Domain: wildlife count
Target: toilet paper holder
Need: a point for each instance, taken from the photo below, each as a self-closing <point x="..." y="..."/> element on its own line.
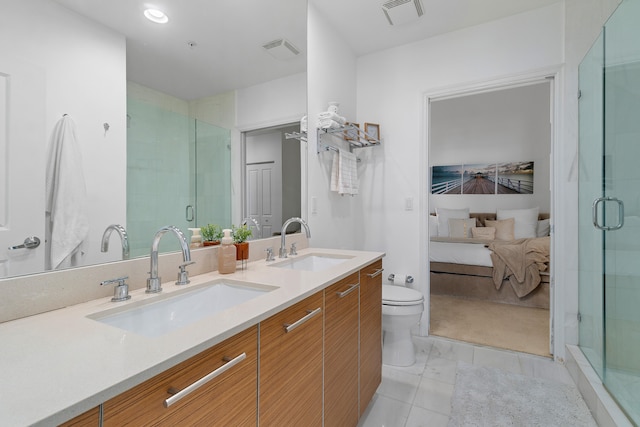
<point x="393" y="276"/>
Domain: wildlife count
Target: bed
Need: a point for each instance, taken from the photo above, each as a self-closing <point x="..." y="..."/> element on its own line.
<point x="464" y="267"/>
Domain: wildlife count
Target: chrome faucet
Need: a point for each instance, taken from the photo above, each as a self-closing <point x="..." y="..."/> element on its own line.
<point x="153" y="282"/>
<point x="283" y="233"/>
<point x="246" y="221"/>
<point x="124" y="239"/>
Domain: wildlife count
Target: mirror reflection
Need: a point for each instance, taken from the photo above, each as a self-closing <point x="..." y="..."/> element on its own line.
<point x="158" y="114"/>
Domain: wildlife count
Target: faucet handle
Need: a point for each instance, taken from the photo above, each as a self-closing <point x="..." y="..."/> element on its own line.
<point x="293" y="250"/>
<point x="183" y="274"/>
<point x="270" y="256"/>
<point x="121" y="291"/>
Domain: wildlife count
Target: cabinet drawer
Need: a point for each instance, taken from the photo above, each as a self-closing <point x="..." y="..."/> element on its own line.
<point x="228" y="399"/>
<point x="341" y="352"/>
<point x="89" y="418"/>
<point x="291" y="365"/>
<point x="370" y="332"/>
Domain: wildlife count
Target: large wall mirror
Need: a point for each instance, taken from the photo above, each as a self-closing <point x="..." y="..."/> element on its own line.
<point x="157" y="115"/>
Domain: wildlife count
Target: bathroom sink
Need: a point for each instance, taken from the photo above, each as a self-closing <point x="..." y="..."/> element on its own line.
<point x="166" y="313"/>
<point x="312" y="262"/>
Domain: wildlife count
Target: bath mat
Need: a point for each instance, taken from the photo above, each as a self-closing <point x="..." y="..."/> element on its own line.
<point x="486" y="396"/>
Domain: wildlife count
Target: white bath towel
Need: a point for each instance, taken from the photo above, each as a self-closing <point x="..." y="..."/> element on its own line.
<point x="344" y="174"/>
<point x="66" y="194"/>
<point x="328" y="124"/>
<point x="328" y="115"/>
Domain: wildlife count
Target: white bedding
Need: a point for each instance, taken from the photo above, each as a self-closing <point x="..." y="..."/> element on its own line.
<point x="460" y="253"/>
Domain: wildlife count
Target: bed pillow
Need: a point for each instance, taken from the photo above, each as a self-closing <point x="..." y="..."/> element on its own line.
<point x="443" y="216"/>
<point x="526" y="221"/>
<point x="485" y="233"/>
<point x="433" y="226"/>
<point x="544" y="228"/>
<point x="504" y="228"/>
<point x="461" y="227"/>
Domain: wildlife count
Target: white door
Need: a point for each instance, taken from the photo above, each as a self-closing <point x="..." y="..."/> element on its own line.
<point x="264" y="198"/>
<point x="22" y="185"/>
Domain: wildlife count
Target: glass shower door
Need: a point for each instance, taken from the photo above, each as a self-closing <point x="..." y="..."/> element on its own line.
<point x="613" y="344"/>
<point x="622" y="184"/>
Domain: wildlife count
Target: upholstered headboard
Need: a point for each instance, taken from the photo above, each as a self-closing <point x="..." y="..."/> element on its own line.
<point x="482" y="217"/>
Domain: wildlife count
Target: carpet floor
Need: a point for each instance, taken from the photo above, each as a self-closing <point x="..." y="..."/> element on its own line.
<point x="485" y="396"/>
<point x="493" y="324"/>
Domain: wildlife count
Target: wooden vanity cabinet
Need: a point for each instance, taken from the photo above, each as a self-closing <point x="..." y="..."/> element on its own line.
<point x="228" y="399"/>
<point x="291" y="365"/>
<point x="341" y="352"/>
<point x="89" y="418"/>
<point x="370" y="332"/>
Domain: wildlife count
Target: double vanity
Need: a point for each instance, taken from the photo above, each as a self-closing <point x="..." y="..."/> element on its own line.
<point x="288" y="342"/>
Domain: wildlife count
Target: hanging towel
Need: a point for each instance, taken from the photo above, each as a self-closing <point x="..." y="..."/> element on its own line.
<point x="344" y="173"/>
<point x="66" y="194"/>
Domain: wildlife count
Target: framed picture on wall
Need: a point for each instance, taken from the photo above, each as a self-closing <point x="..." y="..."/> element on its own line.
<point x="352" y="133"/>
<point x="372" y="131"/>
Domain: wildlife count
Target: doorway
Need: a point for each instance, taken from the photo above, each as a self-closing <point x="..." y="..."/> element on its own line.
<point x="476" y="135"/>
<point x="272" y="174"/>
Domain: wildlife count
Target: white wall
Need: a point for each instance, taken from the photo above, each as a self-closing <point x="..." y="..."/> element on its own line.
<point x="84" y="65"/>
<point x="509" y="125"/>
<point x="392" y="86"/>
<point x="272" y="103"/>
<point x="332" y="77"/>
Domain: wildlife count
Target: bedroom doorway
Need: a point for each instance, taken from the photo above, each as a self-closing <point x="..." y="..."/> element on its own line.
<point x="489" y="157"/>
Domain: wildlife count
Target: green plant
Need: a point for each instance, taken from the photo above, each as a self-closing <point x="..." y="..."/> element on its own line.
<point x="211" y="232"/>
<point x="240" y="234"/>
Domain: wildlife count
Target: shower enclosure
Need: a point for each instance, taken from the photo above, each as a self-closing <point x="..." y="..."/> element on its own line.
<point x="609" y="207"/>
<point x="178" y="173"/>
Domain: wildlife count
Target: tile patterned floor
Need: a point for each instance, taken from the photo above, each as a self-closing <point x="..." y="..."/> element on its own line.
<point x="420" y="395"/>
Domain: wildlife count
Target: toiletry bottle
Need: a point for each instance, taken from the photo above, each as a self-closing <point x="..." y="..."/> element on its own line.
<point x="226" y="254"/>
<point x="196" y="238"/>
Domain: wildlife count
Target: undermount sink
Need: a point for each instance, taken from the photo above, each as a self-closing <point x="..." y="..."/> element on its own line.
<point x="166" y="313"/>
<point x="312" y="262"/>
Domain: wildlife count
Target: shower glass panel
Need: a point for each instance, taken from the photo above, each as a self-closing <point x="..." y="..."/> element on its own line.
<point x="212" y="149"/>
<point x="616" y="211"/>
<point x="591" y="295"/>
<point x="178" y="173"/>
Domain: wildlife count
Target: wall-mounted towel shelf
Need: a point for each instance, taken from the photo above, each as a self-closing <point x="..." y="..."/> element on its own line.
<point x="356" y="137"/>
<point x="302" y="136"/>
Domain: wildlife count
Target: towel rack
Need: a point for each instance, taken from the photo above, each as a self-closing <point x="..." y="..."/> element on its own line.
<point x="364" y="139"/>
<point x="301" y="136"/>
<point x="326" y="147"/>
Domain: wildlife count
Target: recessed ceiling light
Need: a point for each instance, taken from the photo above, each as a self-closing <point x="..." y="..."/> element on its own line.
<point x="156" y="16"/>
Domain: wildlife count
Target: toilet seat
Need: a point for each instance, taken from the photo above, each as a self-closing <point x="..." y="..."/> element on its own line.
<point x="400" y="296"/>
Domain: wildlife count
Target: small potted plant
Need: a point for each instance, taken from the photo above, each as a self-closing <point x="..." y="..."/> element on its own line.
<point x="240" y="236"/>
<point x="211" y="234"/>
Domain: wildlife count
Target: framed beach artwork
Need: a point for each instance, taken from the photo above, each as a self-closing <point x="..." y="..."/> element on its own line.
<point x="483" y="178"/>
<point x="351" y="134"/>
<point x="372" y="131"/>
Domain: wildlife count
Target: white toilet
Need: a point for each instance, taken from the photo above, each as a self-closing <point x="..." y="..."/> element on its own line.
<point x="401" y="309"/>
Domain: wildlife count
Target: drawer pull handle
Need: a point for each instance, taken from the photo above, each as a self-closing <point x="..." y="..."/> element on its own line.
<point x="376" y="273"/>
<point x="348" y="291"/>
<point x="202" y="381"/>
<point x="310" y="314"/>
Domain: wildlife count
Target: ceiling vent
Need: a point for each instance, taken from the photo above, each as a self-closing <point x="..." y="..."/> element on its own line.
<point x="402" y="11"/>
<point x="281" y="49"/>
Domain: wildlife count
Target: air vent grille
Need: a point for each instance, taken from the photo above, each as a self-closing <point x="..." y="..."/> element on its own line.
<point x="281" y="49"/>
<point x="402" y="11"/>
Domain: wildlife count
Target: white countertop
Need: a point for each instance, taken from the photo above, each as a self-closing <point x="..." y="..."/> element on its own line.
<point x="57" y="365"/>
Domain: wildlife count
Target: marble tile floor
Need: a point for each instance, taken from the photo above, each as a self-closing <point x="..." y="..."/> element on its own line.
<point x="420" y="395"/>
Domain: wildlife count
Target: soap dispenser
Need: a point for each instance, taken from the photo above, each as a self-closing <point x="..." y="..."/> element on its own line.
<point x="226" y="254"/>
